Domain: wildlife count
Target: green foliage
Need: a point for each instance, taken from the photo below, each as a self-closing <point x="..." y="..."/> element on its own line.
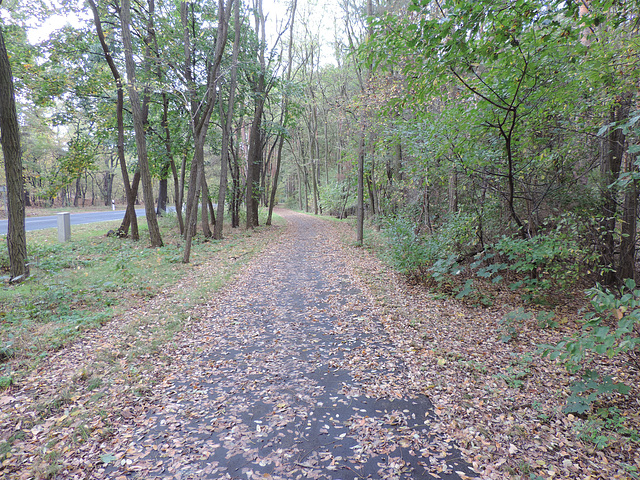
<point x="611" y="329"/>
<point x="408" y="254"/>
<point x="336" y="196"/>
<point x="586" y="391"/>
<point x="510" y="324"/>
<point x="604" y="426"/>
<point x="555" y="258"/>
<point x="434" y="255"/>
<point x="516" y="373"/>
<point x="5" y="382"/>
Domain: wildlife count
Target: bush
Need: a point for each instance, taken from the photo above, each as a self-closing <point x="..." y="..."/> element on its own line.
<point x="432" y="255"/>
<point x="556" y="257"/>
<point x="611" y="329"/>
<point x="407" y="253"/>
<point x="335" y="197"/>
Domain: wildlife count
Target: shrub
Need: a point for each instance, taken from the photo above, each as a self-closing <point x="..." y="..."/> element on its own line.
<point x="433" y="255"/>
<point x="407" y="252"/>
<point x="555" y="257"/>
<point x="611" y="329"/>
<point x="335" y="197"/>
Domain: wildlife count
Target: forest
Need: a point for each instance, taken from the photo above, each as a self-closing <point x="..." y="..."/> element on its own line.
<point x="502" y="127"/>
<point x="490" y="147"/>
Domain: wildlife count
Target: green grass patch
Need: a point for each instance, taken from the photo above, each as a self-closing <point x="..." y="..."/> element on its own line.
<point x="80" y="285"/>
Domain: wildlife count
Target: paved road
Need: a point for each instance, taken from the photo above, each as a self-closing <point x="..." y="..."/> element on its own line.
<point x="51" y="221"/>
<point x="292" y="377"/>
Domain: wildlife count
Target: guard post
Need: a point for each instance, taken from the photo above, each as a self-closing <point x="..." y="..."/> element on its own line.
<point x="64" y="226"/>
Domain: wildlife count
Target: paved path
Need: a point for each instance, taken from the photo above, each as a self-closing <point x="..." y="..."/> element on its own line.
<point x="291" y="377"/>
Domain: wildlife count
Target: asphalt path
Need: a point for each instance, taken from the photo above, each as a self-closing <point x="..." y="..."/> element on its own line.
<point x="51" y="221"/>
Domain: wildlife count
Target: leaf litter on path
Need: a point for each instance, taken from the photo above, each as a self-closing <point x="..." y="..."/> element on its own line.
<point x="287" y="373"/>
<point x="291" y="376"/>
<point x="316" y="362"/>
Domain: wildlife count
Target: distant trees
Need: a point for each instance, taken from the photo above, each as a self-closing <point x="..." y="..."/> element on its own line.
<point x="460" y="116"/>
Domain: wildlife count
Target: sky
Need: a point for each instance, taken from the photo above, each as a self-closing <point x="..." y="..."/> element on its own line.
<point x="319" y="14"/>
<point x="317" y="17"/>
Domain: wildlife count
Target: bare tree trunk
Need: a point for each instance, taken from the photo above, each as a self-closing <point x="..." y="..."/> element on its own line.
<point x="10" y="139"/>
<point x="130" y="215"/>
<point x="300" y="187"/>
<point x="236" y="192"/>
<point x="163" y="185"/>
<point x="629" y="233"/>
<point x="206" y="230"/>
<point x="77" y="193"/>
<point x="314" y="184"/>
<point x="360" y="199"/>
<point x="227" y="123"/>
<point x="201" y="115"/>
<point x="141" y="142"/>
<point x="254" y="167"/>
<point x="610" y="170"/>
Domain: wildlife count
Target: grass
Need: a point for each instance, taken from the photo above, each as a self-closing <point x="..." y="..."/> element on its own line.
<point x="80" y="285"/>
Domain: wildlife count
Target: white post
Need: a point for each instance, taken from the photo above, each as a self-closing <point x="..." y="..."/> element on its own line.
<point x="64" y="227"/>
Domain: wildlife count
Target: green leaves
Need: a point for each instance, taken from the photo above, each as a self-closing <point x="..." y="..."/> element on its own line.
<point x="599" y="337"/>
<point x="593" y="385"/>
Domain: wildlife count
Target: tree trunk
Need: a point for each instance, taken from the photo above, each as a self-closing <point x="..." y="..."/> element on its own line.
<point x="511" y="179"/>
<point x="360" y="199"/>
<point x="130" y="197"/>
<point x="610" y="169"/>
<point x="300" y="187"/>
<point x="108" y="180"/>
<point x="10" y="139"/>
<point x="236" y="192"/>
<point x="77" y="193"/>
<point x="227" y="123"/>
<point x="314" y="184"/>
<point x="163" y="185"/>
<point x="138" y="125"/>
<point x="130" y="217"/>
<point x="206" y="207"/>
<point x="629" y="233"/>
<point x="274" y="189"/>
<point x="254" y="159"/>
<point x="201" y="116"/>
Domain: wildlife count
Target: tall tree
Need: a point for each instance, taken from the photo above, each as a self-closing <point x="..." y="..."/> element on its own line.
<point x="285" y="113"/>
<point x="10" y="138"/>
<point x="201" y="111"/>
<point x="254" y="156"/>
<point x="226" y="119"/>
<point x="130" y="215"/>
<point x="138" y="125"/>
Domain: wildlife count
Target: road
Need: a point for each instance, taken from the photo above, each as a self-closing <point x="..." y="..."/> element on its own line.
<point x="51" y="221"/>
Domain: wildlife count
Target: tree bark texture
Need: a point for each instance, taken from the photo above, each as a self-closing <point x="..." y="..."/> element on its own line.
<point x="138" y="125"/>
<point x="10" y="139"/>
<point x="227" y="124"/>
